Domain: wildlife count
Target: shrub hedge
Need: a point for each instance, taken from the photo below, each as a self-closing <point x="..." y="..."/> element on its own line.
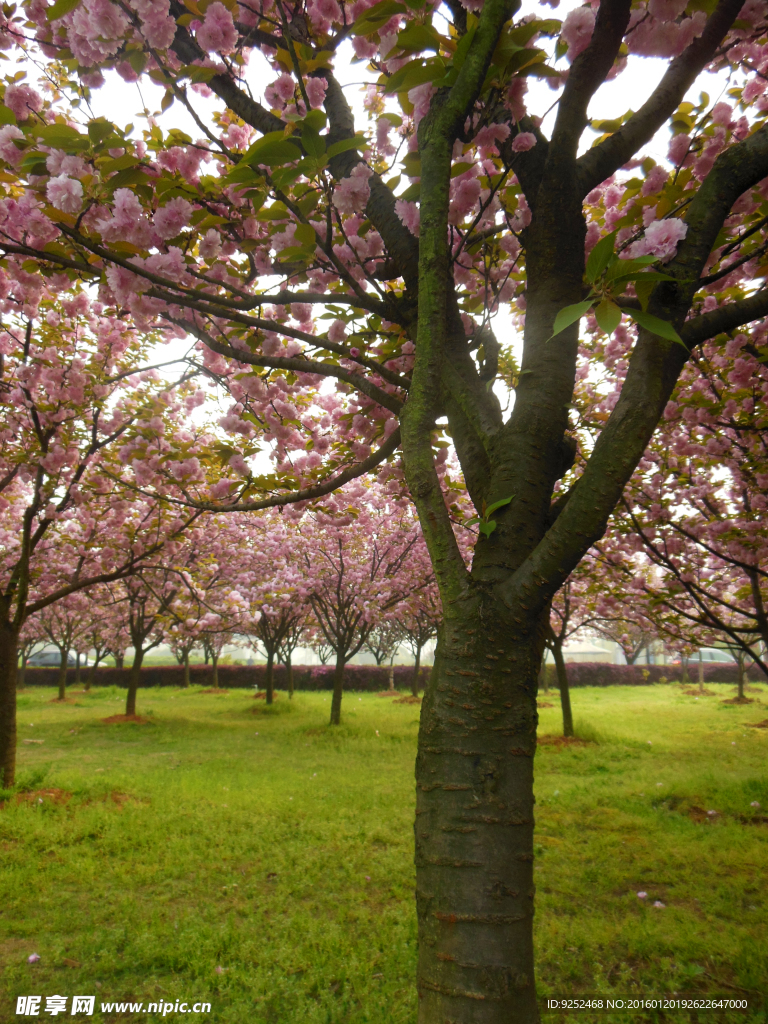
<point x="372" y="678"/>
<point x="305" y="677"/>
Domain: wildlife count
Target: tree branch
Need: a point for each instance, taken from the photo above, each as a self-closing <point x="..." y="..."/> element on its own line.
<point x="601" y="162"/>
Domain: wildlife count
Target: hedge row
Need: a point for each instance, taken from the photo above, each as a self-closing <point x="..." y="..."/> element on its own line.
<point x="597" y="673"/>
<point x="372" y="678"/>
<point x="305" y="677"/>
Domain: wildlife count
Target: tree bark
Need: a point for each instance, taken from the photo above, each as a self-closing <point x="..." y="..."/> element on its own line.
<point x="77" y="668"/>
<point x="416" y="667"/>
<point x="289" y="674"/>
<point x="215" y="669"/>
<point x="684" y="665"/>
<point x="133" y="681"/>
<point x="90" y="679"/>
<point x="391" y="676"/>
<point x="9" y="640"/>
<point x="701" y="674"/>
<point x="474" y="825"/>
<point x="338" y="689"/>
<point x="22" y="672"/>
<point x="740" y="657"/>
<point x="270" y="674"/>
<point x="62" y="681"/>
<point x="185" y="663"/>
<point x="119" y="660"/>
<point x="565" y="690"/>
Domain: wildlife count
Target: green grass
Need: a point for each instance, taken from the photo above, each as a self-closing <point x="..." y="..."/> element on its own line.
<point x="256" y="859"/>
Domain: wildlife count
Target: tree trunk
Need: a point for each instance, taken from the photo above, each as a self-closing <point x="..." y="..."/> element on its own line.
<point x="701" y="674"/>
<point x="62" y="682"/>
<point x="90" y="679"/>
<point x="684" y="665"/>
<point x="215" y="669"/>
<point x="270" y="674"/>
<point x="77" y="669"/>
<point x="22" y="672"/>
<point x="391" y="676"/>
<point x="185" y="663"/>
<point x="565" y="691"/>
<point x="119" y="660"/>
<point x="8" y="665"/>
<point x="740" y="662"/>
<point x="338" y="689"/>
<point x="474" y="825"/>
<point x="416" y="667"/>
<point x="133" y="681"/>
<point x="289" y="674"/>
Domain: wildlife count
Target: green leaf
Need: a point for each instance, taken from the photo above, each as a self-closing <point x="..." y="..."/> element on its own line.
<point x="100" y="130"/>
<point x="123" y="179"/>
<point x="415" y="73"/>
<point x="498" y="504"/>
<point x="376" y="16"/>
<point x="344" y="145"/>
<point x="419" y="37"/>
<point x="472" y="521"/>
<point x="656" y="326"/>
<point x="600" y="257"/>
<point x="316" y="119"/>
<point x="608" y="316"/>
<point x="60" y="8"/>
<point x="487" y="527"/>
<point x="61" y="136"/>
<point x="569" y="315"/>
<point x="272" y="154"/>
<point x="243" y="174"/>
<point x="313" y="143"/>
<point x="623" y="267"/>
<point x="305" y="234"/>
<point x="644" y="289"/>
<point x="6" y="115"/>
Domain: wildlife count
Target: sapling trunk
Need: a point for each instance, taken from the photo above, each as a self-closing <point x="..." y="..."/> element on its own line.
<point x="416" y="667"/>
<point x="77" y="669"/>
<point x="270" y="674"/>
<point x="119" y="660"/>
<point x="133" y="681"/>
<point x="62" y="680"/>
<point x="740" y="661"/>
<point x="565" y="691"/>
<point x="185" y="663"/>
<point x="289" y="674"/>
<point x="22" y="673"/>
<point x="9" y="640"/>
<point x="701" y="674"/>
<point x="90" y="679"/>
<point x="215" y="669"/>
<point x="338" y="689"/>
<point x="391" y="675"/>
<point x="684" y="665"/>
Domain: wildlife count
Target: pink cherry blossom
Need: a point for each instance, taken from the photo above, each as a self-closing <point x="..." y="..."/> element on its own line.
<point x="409" y="215"/>
<point x="65" y="194"/>
<point x="523" y="141"/>
<point x="21" y="99"/>
<point x="217" y="33"/>
<point x="577" y="30"/>
<point x="351" y="194"/>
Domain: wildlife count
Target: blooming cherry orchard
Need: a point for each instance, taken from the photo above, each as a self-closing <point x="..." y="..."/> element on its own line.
<point x="79" y="417"/>
<point x="299" y="247"/>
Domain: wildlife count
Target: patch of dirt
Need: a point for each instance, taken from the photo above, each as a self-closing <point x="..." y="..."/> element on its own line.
<point x="561" y="741"/>
<point x="753" y="819"/>
<point x="262" y="695"/>
<point x="739" y="700"/>
<point x="215" y="689"/>
<point x="117" y="719"/>
<point x="408" y="699"/>
<point x="60" y="700"/>
<point x="700" y="693"/>
<point x="544" y="704"/>
<point x="52" y="796"/>
<point x="758" y="725"/>
<point x="698" y="814"/>
<point x="387" y="693"/>
<point x="33" y="741"/>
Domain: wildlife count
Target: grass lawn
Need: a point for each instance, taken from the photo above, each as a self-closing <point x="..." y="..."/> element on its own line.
<point x="258" y="860"/>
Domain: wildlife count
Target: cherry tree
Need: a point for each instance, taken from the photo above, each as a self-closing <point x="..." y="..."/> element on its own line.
<point x="455" y="199"/>
<point x="65" y="625"/>
<point x="419" y="618"/>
